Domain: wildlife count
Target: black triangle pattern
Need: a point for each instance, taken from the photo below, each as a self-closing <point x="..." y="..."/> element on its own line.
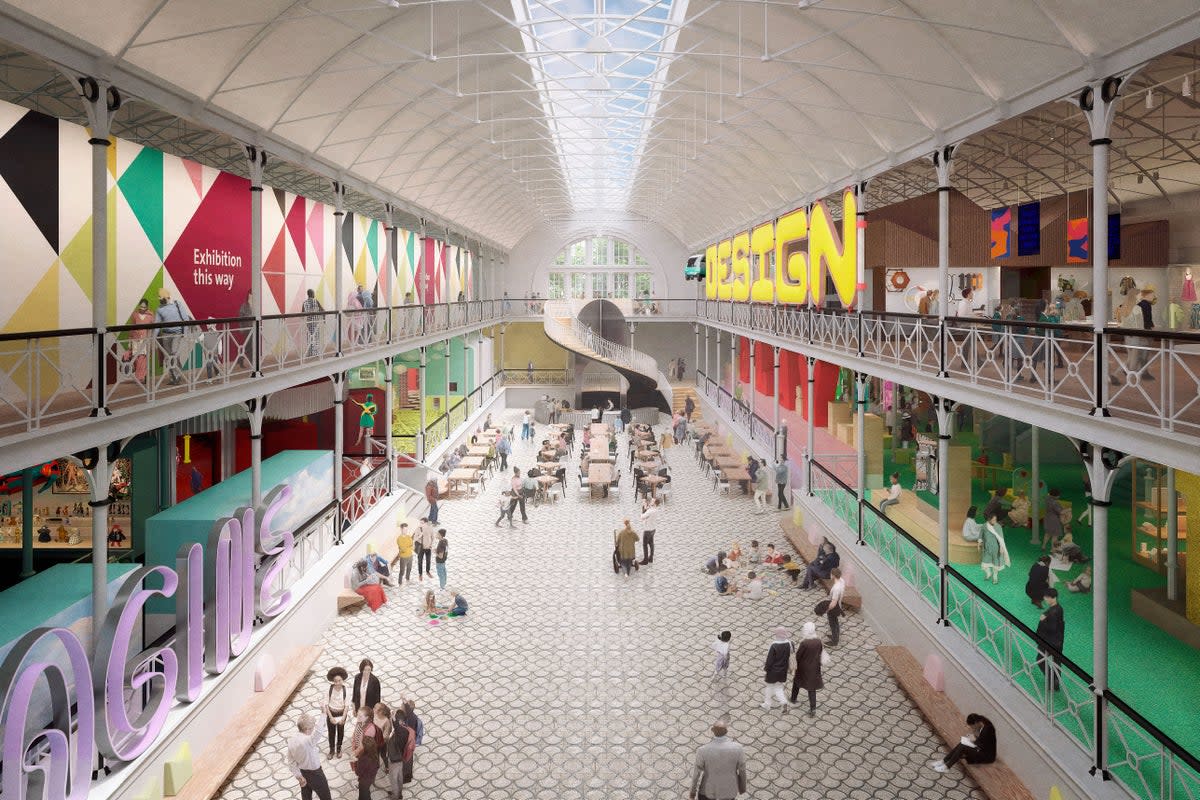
<point x="29" y="165"/>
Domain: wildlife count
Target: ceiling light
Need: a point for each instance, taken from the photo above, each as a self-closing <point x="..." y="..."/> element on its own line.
<point x="1186" y="91"/>
<point x="1149" y="99"/>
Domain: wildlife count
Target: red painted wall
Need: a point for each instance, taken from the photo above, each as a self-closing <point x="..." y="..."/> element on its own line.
<point x="824" y="389"/>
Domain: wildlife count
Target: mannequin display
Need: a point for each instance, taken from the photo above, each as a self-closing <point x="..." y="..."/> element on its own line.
<point x="1188" y="293"/>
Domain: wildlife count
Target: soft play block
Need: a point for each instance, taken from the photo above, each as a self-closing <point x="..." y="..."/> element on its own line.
<point x="152" y="790"/>
<point x="264" y="672"/>
<point x="177" y="771"/>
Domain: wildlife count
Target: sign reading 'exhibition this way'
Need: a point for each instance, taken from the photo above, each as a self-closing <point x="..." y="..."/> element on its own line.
<point x="218" y="589"/>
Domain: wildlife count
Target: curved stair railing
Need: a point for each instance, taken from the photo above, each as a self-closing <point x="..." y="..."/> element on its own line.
<point x="564" y="327"/>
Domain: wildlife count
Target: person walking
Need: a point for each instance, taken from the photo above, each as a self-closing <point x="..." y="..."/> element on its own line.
<point x="650" y="513"/>
<point x="782" y="473"/>
<point x="720" y="771"/>
<point x="518" y="489"/>
<point x="762" y="488"/>
<point x="414" y="722"/>
<point x="1052" y="526"/>
<point x="834" y="612"/>
<point x="995" y="552"/>
<point x="720" y="646"/>
<point x="304" y="759"/>
<point x="424" y="543"/>
<point x="508" y="504"/>
<point x="689" y="407"/>
<point x="404" y="556"/>
<point x="625" y="417"/>
<point x="526" y="426"/>
<point x="1050" y="630"/>
<point x="810" y="657"/>
<point x="440" y="552"/>
<point x="779" y="657"/>
<point x="431" y="496"/>
<point x="312" y="307"/>
<point x="169" y="336"/>
<point x="625" y="540"/>
<point x="503" y="449"/>
<point x="137" y="339"/>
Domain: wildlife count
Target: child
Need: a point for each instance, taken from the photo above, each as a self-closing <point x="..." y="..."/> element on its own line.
<point x="722" y="583"/>
<point x="429" y="606"/>
<point x="508" y="504"/>
<point x="721" y="662"/>
<point x="735" y="554"/>
<point x="753" y="590"/>
<point x="460" y="606"/>
<point x="1082" y="584"/>
<point x="755" y="555"/>
<point x="773" y="557"/>
<point x="792" y="568"/>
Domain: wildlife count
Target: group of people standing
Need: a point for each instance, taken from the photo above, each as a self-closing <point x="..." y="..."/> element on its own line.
<point x="384" y="738"/>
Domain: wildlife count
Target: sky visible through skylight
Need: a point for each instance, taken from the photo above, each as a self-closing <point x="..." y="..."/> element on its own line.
<point x="599" y="105"/>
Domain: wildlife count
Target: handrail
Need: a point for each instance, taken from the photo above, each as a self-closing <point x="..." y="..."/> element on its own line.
<point x="622" y="355"/>
<point x="1152" y="729"/>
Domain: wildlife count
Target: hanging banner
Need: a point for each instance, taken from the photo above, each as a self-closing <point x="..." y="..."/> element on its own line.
<point x="1001" y="227"/>
<point x="1077" y="240"/>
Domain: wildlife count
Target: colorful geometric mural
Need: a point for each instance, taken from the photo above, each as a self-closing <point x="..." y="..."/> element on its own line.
<point x="173" y="224"/>
<point x="1077" y="240"/>
<point x="1001" y="232"/>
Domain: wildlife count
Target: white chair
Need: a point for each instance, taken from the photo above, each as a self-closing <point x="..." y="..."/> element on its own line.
<point x="720" y="482"/>
<point x="585" y="486"/>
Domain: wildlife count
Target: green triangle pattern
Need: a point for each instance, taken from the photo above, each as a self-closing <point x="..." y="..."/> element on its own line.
<point x="373" y="244"/>
<point x="142" y="186"/>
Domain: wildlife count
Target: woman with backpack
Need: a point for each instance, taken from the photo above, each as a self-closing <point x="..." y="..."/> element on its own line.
<point x="366" y="767"/>
<point x="414" y="722"/>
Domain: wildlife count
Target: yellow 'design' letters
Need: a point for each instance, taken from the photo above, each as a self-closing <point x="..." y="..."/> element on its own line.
<point x="740" y="268"/>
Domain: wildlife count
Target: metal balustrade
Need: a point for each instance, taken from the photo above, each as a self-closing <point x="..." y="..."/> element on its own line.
<point x="1151" y="377"/>
<point x="54" y="377"/>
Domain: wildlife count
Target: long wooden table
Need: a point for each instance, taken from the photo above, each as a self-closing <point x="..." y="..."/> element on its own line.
<point x="599" y="475"/>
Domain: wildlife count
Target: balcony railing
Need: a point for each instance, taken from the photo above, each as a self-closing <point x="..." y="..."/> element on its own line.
<point x="1137" y="754"/>
<point x="1151" y="377"/>
<point x="54" y="377"/>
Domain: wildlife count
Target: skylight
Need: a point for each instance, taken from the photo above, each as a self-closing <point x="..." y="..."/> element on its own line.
<point x="599" y="66"/>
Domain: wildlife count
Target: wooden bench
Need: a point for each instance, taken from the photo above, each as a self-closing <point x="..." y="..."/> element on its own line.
<point x="213" y="767"/>
<point x="920" y="520"/>
<point x="798" y="539"/>
<point x="996" y="779"/>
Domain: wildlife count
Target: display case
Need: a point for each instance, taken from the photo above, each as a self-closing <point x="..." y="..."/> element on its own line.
<point x="1149" y="516"/>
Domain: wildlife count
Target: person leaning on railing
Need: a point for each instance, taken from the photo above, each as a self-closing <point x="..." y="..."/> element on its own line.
<point x="168" y="336"/>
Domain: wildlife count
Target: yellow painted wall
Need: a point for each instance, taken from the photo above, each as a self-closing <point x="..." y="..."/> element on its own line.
<point x="1188" y="486"/>
<point x="527" y="340"/>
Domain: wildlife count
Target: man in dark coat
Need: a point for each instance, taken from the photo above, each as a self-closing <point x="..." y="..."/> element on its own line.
<point x="1039" y="581"/>
<point x="779" y="657"/>
<point x="1050" y="630"/>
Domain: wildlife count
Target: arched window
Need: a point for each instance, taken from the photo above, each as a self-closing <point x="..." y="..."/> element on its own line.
<point x="602" y="267"/>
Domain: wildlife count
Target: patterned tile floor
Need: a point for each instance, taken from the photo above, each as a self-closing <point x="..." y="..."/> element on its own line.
<point x="569" y="682"/>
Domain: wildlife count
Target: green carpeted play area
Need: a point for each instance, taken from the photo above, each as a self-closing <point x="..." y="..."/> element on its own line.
<point x="1153" y="672"/>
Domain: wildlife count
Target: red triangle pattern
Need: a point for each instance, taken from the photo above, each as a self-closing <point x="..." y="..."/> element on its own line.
<point x="273" y="273"/>
<point x="316" y="234"/>
<point x="294" y="222"/>
<point x="196" y="173"/>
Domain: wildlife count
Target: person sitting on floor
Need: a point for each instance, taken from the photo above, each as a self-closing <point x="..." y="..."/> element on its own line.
<point x="459" y="609"/>
<point x="716" y="564"/>
<point x="1083" y="583"/>
<point x="723" y="584"/>
<point x="792" y="568"/>
<point x="755" y="555"/>
<point x="1018" y="515"/>
<point x="735" y="555"/>
<point x="773" y="557"/>
<point x="753" y="589"/>
<point x="1065" y="549"/>
<point x="979" y="747"/>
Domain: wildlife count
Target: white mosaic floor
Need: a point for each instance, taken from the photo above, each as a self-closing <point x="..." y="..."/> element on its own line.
<point x="569" y="682"/>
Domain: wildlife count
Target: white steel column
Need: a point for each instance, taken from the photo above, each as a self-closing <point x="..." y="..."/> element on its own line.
<point x="1172" y="536"/>
<point x="861" y="387"/>
<point x="860" y="288"/>
<point x="339" y="290"/>
<point x="389" y="446"/>
<point x="100" y="484"/>
<point x="1102" y="465"/>
<point x="1035" y="498"/>
<point x="810" y="443"/>
<point x="775" y="416"/>
<point x="421" y="391"/>
<point x="696" y="331"/>
<point x="945" y="418"/>
<point x="256" y="159"/>
<point x="339" y="444"/>
<point x="750" y="345"/>
<point x="707" y="374"/>
<point x="942" y="159"/>
<point x="733" y="359"/>
<point x="1098" y="103"/>
<point x="254" y="412"/>
<point x="101" y="102"/>
<point x="423" y="271"/>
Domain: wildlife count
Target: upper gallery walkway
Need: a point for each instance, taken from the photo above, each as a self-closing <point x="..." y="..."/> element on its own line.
<point x="1131" y="391"/>
<point x="66" y="390"/>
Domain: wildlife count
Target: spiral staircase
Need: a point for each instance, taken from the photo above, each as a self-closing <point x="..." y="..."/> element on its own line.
<point x="646" y="380"/>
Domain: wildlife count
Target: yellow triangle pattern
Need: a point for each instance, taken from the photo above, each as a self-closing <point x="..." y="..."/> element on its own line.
<point x="1055" y="794"/>
<point x="39" y="312"/>
<point x="77" y="258"/>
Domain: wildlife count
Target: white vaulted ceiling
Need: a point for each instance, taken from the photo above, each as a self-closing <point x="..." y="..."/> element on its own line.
<point x="698" y="115"/>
